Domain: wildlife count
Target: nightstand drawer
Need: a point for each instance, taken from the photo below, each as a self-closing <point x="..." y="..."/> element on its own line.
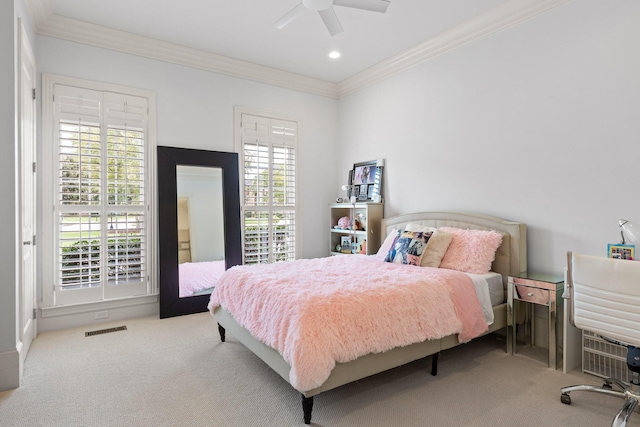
<point x="533" y="295"/>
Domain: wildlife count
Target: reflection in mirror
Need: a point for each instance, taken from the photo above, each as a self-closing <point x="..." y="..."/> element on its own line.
<point x="200" y="229"/>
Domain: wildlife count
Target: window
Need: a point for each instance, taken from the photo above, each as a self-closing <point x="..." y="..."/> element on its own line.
<point x="267" y="150"/>
<point x="100" y="190"/>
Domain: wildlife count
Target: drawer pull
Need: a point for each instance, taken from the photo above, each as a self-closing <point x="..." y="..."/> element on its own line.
<point x="530" y="294"/>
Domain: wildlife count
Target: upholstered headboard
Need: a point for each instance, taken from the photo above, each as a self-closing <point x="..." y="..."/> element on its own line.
<point x="511" y="256"/>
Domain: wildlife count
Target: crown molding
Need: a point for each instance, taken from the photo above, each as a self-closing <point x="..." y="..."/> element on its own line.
<point x="95" y="35"/>
<point x="503" y="16"/>
<point x="506" y="15"/>
<point x="39" y="11"/>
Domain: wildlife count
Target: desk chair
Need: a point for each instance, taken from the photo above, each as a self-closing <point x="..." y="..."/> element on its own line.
<point x="605" y="299"/>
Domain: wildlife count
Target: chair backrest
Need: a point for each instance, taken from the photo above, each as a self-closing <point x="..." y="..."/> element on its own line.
<point x="605" y="296"/>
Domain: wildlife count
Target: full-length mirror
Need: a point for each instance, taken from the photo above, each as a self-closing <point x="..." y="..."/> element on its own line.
<point x="199" y="225"/>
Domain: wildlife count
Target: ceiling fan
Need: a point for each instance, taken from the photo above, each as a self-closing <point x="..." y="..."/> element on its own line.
<point x="328" y="15"/>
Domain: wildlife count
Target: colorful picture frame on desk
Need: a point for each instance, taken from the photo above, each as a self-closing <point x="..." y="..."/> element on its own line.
<point x="621" y="251"/>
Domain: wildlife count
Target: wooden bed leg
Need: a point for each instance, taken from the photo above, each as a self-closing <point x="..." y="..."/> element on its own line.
<point x="434" y="364"/>
<point x="307" y="407"/>
<point x="222" y="332"/>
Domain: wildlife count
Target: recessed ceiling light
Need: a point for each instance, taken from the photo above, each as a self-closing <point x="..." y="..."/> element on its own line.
<point x="334" y="54"/>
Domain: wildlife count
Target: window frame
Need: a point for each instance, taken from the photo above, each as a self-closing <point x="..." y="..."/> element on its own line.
<point x="239" y="148"/>
<point x="49" y="180"/>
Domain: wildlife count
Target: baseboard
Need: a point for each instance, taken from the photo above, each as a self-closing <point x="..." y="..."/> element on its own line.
<point x="96" y="313"/>
<point x="9" y="369"/>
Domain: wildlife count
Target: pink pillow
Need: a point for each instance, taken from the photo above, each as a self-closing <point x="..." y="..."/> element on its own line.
<point x="386" y="245"/>
<point x="471" y="251"/>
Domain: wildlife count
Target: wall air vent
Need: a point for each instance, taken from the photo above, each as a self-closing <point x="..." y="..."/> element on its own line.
<point x="105" y="331"/>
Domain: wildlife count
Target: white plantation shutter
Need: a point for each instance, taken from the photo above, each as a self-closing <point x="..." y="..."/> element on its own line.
<point x="100" y="207"/>
<point x="269" y="189"/>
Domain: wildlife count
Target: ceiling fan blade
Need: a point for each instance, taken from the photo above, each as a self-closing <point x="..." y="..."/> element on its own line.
<point x="372" y="5"/>
<point x="331" y="21"/>
<point x="289" y="16"/>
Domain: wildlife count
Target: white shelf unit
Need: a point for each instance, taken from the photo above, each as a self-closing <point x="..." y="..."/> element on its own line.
<point x="604" y="359"/>
<point x="371" y="215"/>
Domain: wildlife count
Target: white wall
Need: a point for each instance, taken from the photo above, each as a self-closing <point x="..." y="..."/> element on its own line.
<point x="195" y="110"/>
<point x="8" y="289"/>
<point x="539" y="123"/>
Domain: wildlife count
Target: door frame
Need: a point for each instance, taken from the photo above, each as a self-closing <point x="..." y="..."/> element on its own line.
<point x="27" y="296"/>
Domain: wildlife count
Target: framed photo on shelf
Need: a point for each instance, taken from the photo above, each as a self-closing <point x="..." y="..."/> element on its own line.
<point x="354" y="190"/>
<point x="366" y="180"/>
<point x="363" y="192"/>
<point x="345" y="244"/>
<point x="621" y="251"/>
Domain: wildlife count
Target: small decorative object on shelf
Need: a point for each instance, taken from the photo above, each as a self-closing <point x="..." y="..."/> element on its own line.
<point x="347" y="223"/>
<point x="345" y="245"/>
<point x="361" y="220"/>
<point x="344" y="223"/>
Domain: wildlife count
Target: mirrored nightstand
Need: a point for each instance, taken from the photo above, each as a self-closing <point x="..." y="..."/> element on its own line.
<point x="534" y="289"/>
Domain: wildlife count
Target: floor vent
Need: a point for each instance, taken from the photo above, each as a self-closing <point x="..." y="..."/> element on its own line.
<point x="105" y="331"/>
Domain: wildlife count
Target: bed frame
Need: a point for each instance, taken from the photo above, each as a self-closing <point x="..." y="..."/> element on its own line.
<point x="511" y="258"/>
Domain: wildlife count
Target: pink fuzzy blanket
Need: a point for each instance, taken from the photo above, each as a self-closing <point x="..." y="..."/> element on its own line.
<point x="317" y="312"/>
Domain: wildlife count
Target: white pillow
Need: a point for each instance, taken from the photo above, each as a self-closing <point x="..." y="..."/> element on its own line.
<point x="436" y="246"/>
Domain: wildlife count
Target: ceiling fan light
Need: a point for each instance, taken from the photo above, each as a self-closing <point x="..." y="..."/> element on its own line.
<point x="334" y="54"/>
<point x="317" y="4"/>
<point x="326" y="12"/>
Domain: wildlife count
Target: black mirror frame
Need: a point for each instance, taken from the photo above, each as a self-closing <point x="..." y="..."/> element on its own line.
<point x="168" y="158"/>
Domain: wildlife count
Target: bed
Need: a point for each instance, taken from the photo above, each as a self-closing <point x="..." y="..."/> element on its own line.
<point x="509" y="258"/>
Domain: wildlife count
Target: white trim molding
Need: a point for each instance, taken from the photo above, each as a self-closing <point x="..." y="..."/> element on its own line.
<point x="121" y="41"/>
<point x="507" y="14"/>
<point x="65" y="310"/>
<point x="238" y="112"/>
<point x="96" y="313"/>
<point x="501" y="17"/>
<point x="10" y="369"/>
<point x="40" y="11"/>
<point x="49" y="81"/>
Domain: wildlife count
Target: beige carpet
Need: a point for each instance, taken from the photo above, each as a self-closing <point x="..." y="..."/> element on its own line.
<point x="176" y="372"/>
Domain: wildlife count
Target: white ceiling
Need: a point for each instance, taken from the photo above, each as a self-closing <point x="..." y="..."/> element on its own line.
<point x="242" y="29"/>
<point x="409" y="32"/>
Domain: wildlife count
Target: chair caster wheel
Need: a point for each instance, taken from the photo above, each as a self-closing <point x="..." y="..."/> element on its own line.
<point x="565" y="398"/>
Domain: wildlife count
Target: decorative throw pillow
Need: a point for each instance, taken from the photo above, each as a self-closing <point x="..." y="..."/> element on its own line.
<point x="408" y="247"/>
<point x="436" y="247"/>
<point x="471" y="251"/>
<point x="387" y="244"/>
